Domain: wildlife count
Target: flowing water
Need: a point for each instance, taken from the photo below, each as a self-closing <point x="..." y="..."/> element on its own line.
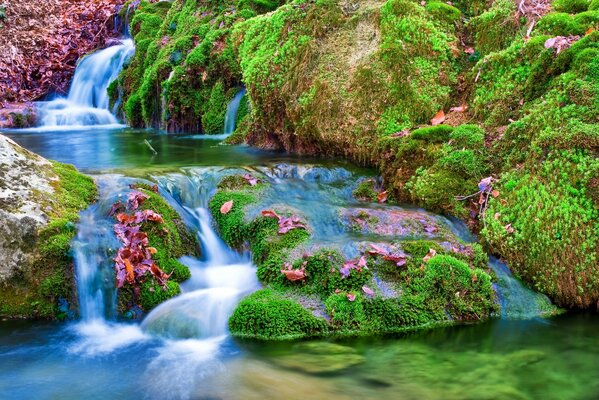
<point x="232" y="110"/>
<point x="182" y="350"/>
<point x="87" y="103"/>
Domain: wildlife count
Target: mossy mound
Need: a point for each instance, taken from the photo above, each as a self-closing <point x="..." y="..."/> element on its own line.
<point x="336" y="297"/>
<point x="45" y="287"/>
<point x="172" y="240"/>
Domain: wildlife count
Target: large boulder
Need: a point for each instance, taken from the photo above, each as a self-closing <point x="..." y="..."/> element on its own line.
<point x="39" y="205"/>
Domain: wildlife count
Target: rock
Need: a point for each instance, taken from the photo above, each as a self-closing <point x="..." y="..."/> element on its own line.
<point x="391" y="221"/>
<point x="319" y="358"/>
<point x="39" y="204"/>
<point x="25" y="184"/>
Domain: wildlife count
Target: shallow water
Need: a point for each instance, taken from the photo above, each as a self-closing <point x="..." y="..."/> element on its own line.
<point x="539" y="359"/>
<point x="555" y="358"/>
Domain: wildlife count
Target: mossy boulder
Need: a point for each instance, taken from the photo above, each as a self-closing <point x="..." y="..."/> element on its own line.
<point x="39" y="207"/>
<point x="312" y="290"/>
<point x="172" y="240"/>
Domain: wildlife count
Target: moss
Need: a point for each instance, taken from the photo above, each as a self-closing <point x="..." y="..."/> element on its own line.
<point x="594" y="5"/>
<point x="495" y="28"/>
<point x="550" y="208"/>
<point x="152" y="294"/>
<point x="558" y="24"/>
<point x="213" y="118"/>
<point x="365" y="191"/>
<point x="444" y="12"/>
<point x="36" y="292"/>
<point x="433" y="134"/>
<point x="172" y="240"/>
<point x="232" y="225"/>
<point x="570" y="6"/>
<point x="268" y="315"/>
<point x="450" y="285"/>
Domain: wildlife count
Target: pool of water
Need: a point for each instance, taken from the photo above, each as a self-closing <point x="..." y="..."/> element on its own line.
<point x="538" y="359"/>
<point x="555" y="358"/>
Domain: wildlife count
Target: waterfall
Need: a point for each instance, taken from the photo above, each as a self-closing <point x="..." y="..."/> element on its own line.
<point x="232" y="109"/>
<point x="87" y="103"/>
<point x="516" y="300"/>
<point x="219" y="280"/>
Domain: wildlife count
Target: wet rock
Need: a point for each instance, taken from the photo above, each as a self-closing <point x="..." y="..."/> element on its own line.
<point x="391" y="221"/>
<point x="39" y="205"/>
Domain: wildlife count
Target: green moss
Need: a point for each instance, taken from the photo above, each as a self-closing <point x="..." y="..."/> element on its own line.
<point x="152" y="294"/>
<point x="594" y="5"/>
<point x="554" y="218"/>
<point x="444" y="12"/>
<point x="213" y="118"/>
<point x="558" y="24"/>
<point x="495" y="28"/>
<point x="268" y="315"/>
<point x="570" y="6"/>
<point x="365" y="191"/>
<point x="433" y="134"/>
<point x="232" y="225"/>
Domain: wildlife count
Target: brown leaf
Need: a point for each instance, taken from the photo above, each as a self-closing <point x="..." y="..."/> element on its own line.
<point x="382" y="197"/>
<point x="495" y="193"/>
<point x="431" y="254"/>
<point x="226" y="207"/>
<point x="438" y="119"/>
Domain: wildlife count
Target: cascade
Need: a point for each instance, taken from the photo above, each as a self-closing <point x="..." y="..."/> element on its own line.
<point x="87" y="103"/>
<point x="232" y="110"/>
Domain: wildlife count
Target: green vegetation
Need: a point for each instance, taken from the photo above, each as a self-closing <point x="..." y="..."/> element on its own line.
<point x="364" y="82"/>
<point x="171" y="241"/>
<point x="36" y="292"/>
<point x="343" y="290"/>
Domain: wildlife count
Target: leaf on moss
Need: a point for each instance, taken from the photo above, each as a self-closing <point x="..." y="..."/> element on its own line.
<point x="226" y="207"/>
<point x="438" y="119"/>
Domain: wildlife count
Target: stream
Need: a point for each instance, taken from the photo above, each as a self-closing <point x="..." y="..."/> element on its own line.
<point x="182" y="350"/>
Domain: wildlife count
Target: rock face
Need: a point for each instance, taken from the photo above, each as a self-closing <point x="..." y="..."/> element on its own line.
<point x="24" y="181"/>
<point x="39" y="204"/>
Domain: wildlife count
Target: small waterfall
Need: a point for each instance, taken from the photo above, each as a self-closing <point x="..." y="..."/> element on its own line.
<point x="87" y="103"/>
<point x="516" y="300"/>
<point x="232" y="109"/>
<point x="218" y="281"/>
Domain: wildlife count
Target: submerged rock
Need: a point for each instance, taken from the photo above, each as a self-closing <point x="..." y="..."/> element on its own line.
<point x="319" y="358"/>
<point x="39" y="205"/>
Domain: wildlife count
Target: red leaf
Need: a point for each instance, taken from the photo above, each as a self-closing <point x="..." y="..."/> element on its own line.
<point x="351" y="296"/>
<point x="438" y="119"/>
<point x="382" y="197"/>
<point x="368" y="291"/>
<point x="225" y="208"/>
<point x="270" y="214"/>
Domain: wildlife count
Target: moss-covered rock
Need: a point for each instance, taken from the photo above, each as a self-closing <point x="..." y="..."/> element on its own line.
<point x="172" y="240"/>
<point x="39" y="206"/>
<point x="333" y="296"/>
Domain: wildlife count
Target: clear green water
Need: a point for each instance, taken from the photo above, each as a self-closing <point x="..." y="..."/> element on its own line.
<point x="556" y="358"/>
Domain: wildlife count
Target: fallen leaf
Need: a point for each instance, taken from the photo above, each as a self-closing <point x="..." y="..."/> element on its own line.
<point x="226" y="207"/>
<point x="351" y="296"/>
<point x="438" y="119"/>
<point x="431" y="254"/>
<point x="368" y="291"/>
<point x="382" y="197"/>
<point x="469" y="50"/>
<point x="460" y="109"/>
<point x="495" y="193"/>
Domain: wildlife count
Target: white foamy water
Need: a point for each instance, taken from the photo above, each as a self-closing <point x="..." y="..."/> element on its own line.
<point x="87" y="104"/>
